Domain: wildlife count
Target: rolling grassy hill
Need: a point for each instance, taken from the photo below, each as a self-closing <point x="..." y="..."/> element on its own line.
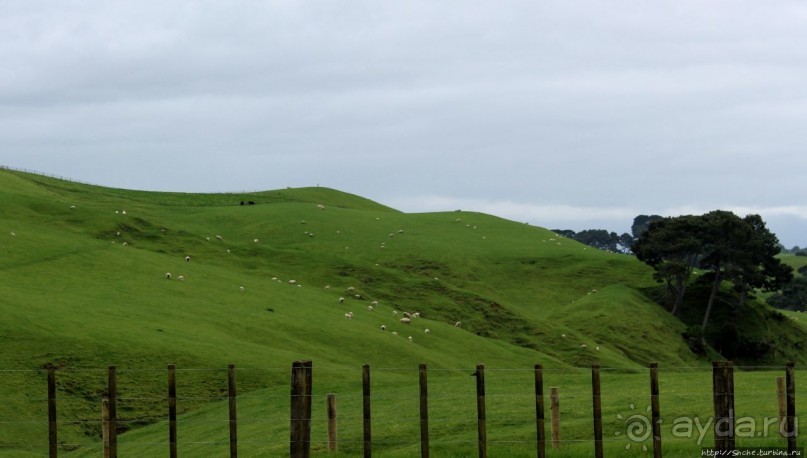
<point x="83" y="286"/>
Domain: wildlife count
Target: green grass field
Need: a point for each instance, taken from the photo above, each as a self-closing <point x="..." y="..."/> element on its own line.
<point x="83" y="287"/>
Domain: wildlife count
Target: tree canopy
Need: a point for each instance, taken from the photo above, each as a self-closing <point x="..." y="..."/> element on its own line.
<point x="738" y="250"/>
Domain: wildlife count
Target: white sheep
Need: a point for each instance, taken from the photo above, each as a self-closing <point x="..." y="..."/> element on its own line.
<point x="458" y="324"/>
<point x="350" y="288"/>
<point x="406" y="320"/>
<point x="426" y="331"/>
<point x="383" y="327"/>
<point x="407" y="315"/>
<point x="394" y="333"/>
<point x="369" y="308"/>
<point x="374" y="303"/>
<point x="292" y="282"/>
<point x="256" y="240"/>
<point x="274" y="278"/>
<point x="181" y="278"/>
<point x="349" y="315"/>
<point x="416" y="315"/>
<point x="410" y="338"/>
<point x="13" y="234"/>
<point x="241" y="289"/>
<point x="394" y="313"/>
<point x="341" y="300"/>
<point x="168" y="275"/>
<point x="123" y="212"/>
<point x="327" y="286"/>
<point x="187" y="259"/>
<point x="218" y="237"/>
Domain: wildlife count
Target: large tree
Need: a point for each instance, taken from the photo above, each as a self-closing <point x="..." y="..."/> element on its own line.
<point x="672" y="247"/>
<point x="743" y="251"/>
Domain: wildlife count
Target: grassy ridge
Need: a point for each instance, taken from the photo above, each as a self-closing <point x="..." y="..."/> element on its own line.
<point x="83" y="287"/>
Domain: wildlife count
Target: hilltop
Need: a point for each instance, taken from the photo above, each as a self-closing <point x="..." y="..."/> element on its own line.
<point x="84" y="286"/>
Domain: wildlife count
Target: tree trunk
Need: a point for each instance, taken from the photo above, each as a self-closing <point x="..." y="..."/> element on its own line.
<point x="679" y="299"/>
<point x="712" y="297"/>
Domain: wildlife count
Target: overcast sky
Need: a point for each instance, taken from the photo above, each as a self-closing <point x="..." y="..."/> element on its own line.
<point x="565" y="114"/>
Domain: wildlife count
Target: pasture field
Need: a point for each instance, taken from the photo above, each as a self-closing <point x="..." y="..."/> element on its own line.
<point x="83" y="287"/>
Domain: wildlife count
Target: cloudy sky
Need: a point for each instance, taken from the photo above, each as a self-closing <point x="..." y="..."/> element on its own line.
<point x="565" y="114"/>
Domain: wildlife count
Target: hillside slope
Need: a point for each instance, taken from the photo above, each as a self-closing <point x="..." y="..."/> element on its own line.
<point x="84" y="287"/>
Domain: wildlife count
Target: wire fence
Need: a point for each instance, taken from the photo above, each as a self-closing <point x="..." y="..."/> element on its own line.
<point x="250" y="411"/>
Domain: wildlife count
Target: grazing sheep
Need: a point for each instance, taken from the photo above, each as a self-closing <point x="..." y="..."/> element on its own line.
<point x="394" y="333"/>
<point x="357" y="296"/>
<point x="407" y="315"/>
<point x="13" y="234"/>
<point x="321" y="207"/>
<point x="341" y="300"/>
<point x="256" y="240"/>
<point x="410" y="338"/>
<point x="168" y="275"/>
<point x="292" y="282"/>
<point x="351" y="289"/>
<point x="374" y="303"/>
<point x="123" y="212"/>
<point x="583" y="346"/>
<point x="181" y="278"/>
<point x="125" y="243"/>
<point x="458" y="324"/>
<point x="406" y="320"/>
<point x="349" y="315"/>
<point x="416" y="315"/>
<point x="274" y="278"/>
<point x="327" y="286"/>
<point x="383" y="327"/>
<point x="394" y="313"/>
<point x="187" y="259"/>
<point x="218" y="237"/>
<point x="241" y="289"/>
<point x="369" y="308"/>
<point x="426" y="331"/>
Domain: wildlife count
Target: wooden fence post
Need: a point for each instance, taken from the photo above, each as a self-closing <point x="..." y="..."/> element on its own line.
<point x="333" y="445"/>
<point x="52" y="434"/>
<point x="112" y="389"/>
<point x="723" y="396"/>
<point x="655" y="410"/>
<point x="554" y="409"/>
<point x="781" y="404"/>
<point x="792" y="430"/>
<point x="300" y="443"/>
<point x="424" y="412"/>
<point x="596" y="409"/>
<point x="172" y="411"/>
<point x="231" y="393"/>
<point x="540" y="433"/>
<point x="367" y="422"/>
<point x="105" y="424"/>
<point x="482" y="433"/>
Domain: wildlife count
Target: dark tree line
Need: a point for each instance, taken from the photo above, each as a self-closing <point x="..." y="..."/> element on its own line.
<point x="793" y="295"/>
<point x="611" y="241"/>
<point x="738" y="251"/>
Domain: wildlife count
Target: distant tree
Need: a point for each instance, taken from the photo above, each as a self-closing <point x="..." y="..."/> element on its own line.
<point x="641" y="223"/>
<point x="598" y="238"/>
<point x="672" y="247"/>
<point x="625" y="242"/>
<point x="564" y="232"/>
<point x="792" y="297"/>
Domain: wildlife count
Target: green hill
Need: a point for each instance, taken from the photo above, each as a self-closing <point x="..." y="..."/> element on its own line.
<point x="84" y="286"/>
